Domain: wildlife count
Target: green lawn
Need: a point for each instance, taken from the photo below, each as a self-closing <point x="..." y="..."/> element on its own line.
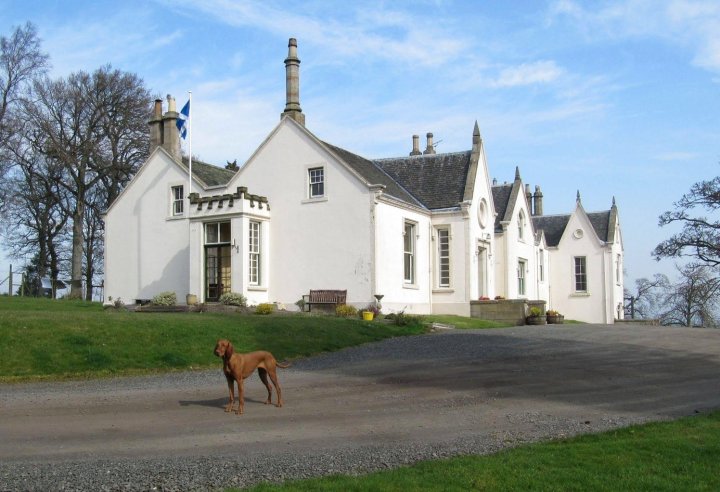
<point x="46" y="339"/>
<point x="462" y="322"/>
<point x="671" y="456"/>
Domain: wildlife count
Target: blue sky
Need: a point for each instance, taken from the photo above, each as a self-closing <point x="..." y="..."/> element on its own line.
<point x="610" y="98"/>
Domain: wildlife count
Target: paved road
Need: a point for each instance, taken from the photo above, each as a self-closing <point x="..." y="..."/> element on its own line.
<point x="398" y="400"/>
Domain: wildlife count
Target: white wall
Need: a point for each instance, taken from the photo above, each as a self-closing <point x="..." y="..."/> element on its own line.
<point x="146" y="249"/>
<point x="389" y="266"/>
<point x="302" y="255"/>
<point x="591" y="306"/>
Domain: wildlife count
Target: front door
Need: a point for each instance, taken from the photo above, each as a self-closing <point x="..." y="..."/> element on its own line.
<point x="482" y="271"/>
<point x="217" y="272"/>
<point x="217" y="260"/>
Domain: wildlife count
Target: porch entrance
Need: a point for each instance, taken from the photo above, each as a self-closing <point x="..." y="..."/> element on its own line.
<point x="482" y="258"/>
<point x="218" y="260"/>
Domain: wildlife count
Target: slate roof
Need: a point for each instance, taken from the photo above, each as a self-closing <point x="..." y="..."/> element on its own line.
<point x="209" y="174"/>
<point x="554" y="225"/>
<point x="373" y="174"/>
<point x="501" y="198"/>
<point x="601" y="223"/>
<point x="436" y="180"/>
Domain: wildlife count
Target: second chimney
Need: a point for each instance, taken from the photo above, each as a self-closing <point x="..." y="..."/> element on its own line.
<point x="292" y="84"/>
<point x="430" y="148"/>
<point x="538" y="201"/>
<point x="416" y="145"/>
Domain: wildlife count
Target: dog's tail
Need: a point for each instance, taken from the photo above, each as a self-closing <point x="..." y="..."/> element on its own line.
<point x="283" y="365"/>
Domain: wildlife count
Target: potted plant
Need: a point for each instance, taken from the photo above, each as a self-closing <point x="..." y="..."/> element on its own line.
<point x="554" y="317"/>
<point x="536" y="317"/>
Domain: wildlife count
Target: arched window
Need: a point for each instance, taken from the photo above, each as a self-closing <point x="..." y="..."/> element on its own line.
<point x="521" y="225"/>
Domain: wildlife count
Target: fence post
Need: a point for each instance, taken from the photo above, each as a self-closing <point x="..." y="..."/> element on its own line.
<point x="10" y="283"/>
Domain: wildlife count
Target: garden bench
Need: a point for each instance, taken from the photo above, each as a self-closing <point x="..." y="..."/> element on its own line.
<point x="325" y="298"/>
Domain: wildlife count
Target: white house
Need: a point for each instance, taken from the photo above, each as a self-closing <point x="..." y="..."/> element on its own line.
<point x="428" y="231"/>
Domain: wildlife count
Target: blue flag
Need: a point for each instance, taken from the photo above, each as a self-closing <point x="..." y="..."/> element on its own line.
<point x="183" y="119"/>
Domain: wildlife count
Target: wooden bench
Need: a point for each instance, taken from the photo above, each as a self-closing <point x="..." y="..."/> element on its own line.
<point x="325" y="298"/>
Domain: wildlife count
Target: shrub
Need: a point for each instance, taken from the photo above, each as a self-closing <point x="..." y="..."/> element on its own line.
<point x="552" y="312"/>
<point x="233" y="299"/>
<point x="264" y="308"/>
<point x="301" y="304"/>
<point x="402" y="319"/>
<point x="535" y="312"/>
<point x="346" y="311"/>
<point x="165" y="299"/>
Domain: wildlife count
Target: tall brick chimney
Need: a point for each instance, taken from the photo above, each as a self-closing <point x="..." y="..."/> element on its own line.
<point x="292" y="84"/>
<point x="416" y="145"/>
<point x="163" y="128"/>
<point x="430" y="147"/>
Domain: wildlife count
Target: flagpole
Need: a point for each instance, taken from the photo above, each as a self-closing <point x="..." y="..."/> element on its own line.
<point x="189" y="140"/>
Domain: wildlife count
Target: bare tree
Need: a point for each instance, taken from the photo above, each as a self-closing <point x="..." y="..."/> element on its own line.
<point x="20" y="60"/>
<point x="94" y="127"/>
<point x="700" y="235"/>
<point x="647" y="300"/>
<point x="694" y="300"/>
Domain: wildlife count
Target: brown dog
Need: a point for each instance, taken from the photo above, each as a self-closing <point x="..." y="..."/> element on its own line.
<point x="238" y="367"/>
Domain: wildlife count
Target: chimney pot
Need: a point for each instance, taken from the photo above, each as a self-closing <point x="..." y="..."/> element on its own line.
<point x="430" y="148"/>
<point x="292" y="84"/>
<point x="538" y="201"/>
<point x="529" y="198"/>
<point x="416" y="145"/>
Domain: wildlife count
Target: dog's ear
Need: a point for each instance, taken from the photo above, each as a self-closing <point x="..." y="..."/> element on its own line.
<point x="229" y="350"/>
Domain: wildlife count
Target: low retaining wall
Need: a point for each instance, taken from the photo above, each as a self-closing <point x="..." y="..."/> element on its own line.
<point x="504" y="310"/>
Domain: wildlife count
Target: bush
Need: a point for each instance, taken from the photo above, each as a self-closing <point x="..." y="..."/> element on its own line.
<point x="536" y="311"/>
<point x="264" y="308"/>
<point x="402" y="319"/>
<point x="346" y="311"/>
<point x="165" y="299"/>
<point x="233" y="299"/>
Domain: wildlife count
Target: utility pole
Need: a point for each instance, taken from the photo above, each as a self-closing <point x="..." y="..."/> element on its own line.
<point x="10" y="283"/>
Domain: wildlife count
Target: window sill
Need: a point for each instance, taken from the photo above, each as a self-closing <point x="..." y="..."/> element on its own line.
<point x="175" y="217"/>
<point x="256" y="288"/>
<point x="411" y="286"/>
<point x="315" y="200"/>
<point x="444" y="290"/>
<point x="580" y="294"/>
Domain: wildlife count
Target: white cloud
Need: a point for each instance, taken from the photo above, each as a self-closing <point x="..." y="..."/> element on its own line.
<point x="372" y="31"/>
<point x="540" y="72"/>
<point x="693" y="24"/>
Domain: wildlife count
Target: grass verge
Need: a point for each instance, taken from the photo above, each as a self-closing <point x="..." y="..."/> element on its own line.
<point x="668" y="456"/>
<point x="46" y="339"/>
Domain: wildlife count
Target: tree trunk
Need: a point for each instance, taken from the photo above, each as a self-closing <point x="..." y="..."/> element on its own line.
<point x="77" y="251"/>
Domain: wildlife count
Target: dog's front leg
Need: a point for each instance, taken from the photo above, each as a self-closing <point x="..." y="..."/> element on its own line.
<point x="241" y="397"/>
<point x="231" y="389"/>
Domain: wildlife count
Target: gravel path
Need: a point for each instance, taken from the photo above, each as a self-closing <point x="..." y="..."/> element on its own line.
<point x="368" y="408"/>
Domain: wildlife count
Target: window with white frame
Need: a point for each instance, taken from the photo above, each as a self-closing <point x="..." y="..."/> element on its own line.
<point x="177" y="195"/>
<point x="254" y="248"/>
<point x="316" y="182"/>
<point x="580" y="274"/>
<point x="618" y="270"/>
<point x="409" y="252"/>
<point x="541" y="265"/>
<point x="443" y="255"/>
<point x="217" y="233"/>
<point x="522" y="266"/>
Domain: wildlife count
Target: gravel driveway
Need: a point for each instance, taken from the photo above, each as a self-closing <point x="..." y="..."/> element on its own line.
<point x="367" y="408"/>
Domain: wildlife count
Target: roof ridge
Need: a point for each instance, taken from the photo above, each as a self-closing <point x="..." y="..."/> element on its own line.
<point x="459" y="152"/>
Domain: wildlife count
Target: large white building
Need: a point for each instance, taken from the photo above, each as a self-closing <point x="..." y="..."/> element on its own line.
<point x="429" y="231"/>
